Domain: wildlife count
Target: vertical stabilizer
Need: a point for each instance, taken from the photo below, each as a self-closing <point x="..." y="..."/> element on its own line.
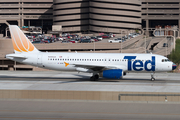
<point x="20" y="42"/>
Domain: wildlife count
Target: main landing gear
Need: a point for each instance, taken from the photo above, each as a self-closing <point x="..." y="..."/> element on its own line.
<point x="152" y="76"/>
<point x="94" y="77"/>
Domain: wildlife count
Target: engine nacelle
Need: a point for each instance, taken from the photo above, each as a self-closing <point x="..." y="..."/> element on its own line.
<point x="112" y="74"/>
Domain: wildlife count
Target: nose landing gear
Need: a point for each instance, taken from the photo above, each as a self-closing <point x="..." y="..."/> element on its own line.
<point x="152" y="76"/>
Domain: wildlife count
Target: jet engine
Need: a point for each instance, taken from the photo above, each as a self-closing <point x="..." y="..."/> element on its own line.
<point x="113" y="74"/>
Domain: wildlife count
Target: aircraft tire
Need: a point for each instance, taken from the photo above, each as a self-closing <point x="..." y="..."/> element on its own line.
<point x="94" y="78"/>
<point x="152" y="79"/>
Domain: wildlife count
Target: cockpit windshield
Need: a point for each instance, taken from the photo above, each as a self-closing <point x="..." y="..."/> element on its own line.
<point x="165" y="60"/>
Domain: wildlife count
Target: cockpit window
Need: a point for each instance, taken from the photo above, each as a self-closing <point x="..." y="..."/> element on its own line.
<point x="165" y="60"/>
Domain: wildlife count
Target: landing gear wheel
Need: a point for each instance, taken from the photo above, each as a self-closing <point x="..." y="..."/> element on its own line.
<point x="94" y="77"/>
<point x="152" y="79"/>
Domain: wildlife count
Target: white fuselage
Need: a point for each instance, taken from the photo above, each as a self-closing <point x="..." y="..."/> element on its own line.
<point x="124" y="61"/>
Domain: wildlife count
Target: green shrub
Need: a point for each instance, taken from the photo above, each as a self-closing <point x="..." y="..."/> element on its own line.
<point x="137" y="31"/>
<point x="175" y="54"/>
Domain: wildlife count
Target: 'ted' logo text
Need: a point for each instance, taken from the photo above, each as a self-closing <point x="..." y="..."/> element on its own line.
<point x="138" y="64"/>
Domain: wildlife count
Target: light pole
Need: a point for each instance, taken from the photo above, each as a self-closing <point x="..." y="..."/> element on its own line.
<point x="94" y="46"/>
<point x="121" y="41"/>
<point x="145" y="44"/>
<point x="166" y="41"/>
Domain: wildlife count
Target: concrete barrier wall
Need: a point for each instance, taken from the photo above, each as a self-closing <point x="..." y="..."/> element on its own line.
<point x="84" y="95"/>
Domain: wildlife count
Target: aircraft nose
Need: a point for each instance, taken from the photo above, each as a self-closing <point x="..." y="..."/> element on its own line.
<point x="174" y="66"/>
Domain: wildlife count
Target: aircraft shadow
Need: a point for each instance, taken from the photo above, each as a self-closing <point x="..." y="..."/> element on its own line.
<point x="83" y="78"/>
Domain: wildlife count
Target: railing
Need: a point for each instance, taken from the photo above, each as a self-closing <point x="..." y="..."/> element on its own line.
<point x="37" y="11"/>
<point x="160" y="5"/>
<point x="160" y="17"/>
<point x="9" y="6"/>
<point x="37" y="5"/>
<point x="10" y="11"/>
<point x="9" y="17"/>
<point x="160" y="11"/>
<point x="149" y="95"/>
<point x="37" y="16"/>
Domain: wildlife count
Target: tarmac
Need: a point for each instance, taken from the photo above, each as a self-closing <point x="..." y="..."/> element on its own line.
<point x="52" y="95"/>
<point x="87" y="110"/>
<point x="73" y="81"/>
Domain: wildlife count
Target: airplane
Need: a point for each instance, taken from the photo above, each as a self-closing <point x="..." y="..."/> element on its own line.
<point x="106" y="65"/>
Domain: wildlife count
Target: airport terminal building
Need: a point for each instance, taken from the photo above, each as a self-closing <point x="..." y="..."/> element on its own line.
<point x="111" y="16"/>
<point x="87" y="16"/>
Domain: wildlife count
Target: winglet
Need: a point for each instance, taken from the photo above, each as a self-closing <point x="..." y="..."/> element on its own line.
<point x="20" y="42"/>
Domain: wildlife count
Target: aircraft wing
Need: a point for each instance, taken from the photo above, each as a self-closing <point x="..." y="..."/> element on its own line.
<point x="95" y="67"/>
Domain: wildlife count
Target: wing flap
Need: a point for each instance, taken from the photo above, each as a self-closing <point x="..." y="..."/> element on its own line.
<point x="96" y="67"/>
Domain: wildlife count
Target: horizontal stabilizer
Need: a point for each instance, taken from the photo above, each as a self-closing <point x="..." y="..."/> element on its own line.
<point x="16" y="56"/>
